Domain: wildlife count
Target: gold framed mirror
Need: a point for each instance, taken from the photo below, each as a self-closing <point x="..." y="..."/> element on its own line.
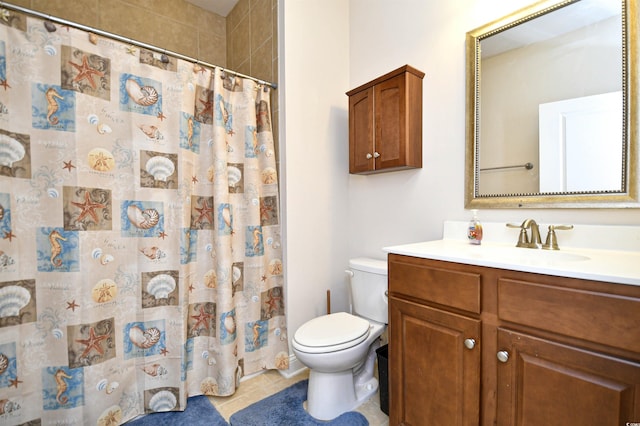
<point x="552" y="107"/>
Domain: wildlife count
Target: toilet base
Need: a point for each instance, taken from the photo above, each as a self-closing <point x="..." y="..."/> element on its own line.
<point x="343" y="397"/>
<point x="347" y="391"/>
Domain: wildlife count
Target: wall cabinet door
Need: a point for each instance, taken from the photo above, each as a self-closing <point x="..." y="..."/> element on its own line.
<point x="361" y="128"/>
<point x="434" y="359"/>
<point x="541" y="382"/>
<point x="391" y="129"/>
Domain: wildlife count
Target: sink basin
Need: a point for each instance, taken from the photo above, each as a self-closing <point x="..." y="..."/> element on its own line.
<point x="523" y="255"/>
<point x="560" y="256"/>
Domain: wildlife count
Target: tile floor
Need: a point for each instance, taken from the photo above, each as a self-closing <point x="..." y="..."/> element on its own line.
<point x="270" y="382"/>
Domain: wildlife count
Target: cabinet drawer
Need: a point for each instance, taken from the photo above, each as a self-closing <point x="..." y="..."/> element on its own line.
<point x="603" y="318"/>
<point x="447" y="287"/>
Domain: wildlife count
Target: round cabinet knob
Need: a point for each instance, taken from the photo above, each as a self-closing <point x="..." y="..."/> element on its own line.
<point x="376" y="154"/>
<point x="369" y="156"/>
<point x="469" y="343"/>
<point x="503" y="356"/>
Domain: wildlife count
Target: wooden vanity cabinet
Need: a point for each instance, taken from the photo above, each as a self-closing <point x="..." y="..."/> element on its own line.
<point x="434" y="346"/>
<point x="385" y="123"/>
<point x="546" y="350"/>
<point x="438" y="378"/>
<point x="544" y="382"/>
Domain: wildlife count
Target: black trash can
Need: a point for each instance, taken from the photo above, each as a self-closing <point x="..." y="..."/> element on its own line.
<point x="383" y="377"/>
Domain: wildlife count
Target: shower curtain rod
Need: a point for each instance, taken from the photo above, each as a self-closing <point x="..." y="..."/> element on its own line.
<point x="128" y="40"/>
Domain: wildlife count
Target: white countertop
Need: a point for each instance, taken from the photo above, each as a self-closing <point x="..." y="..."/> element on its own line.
<point x="616" y="266"/>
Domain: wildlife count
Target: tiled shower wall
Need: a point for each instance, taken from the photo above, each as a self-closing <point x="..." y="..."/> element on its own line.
<point x="175" y="25"/>
<point x="252" y="44"/>
<point x="245" y="41"/>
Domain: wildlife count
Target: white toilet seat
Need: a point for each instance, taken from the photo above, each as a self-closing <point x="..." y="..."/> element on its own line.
<point x="331" y="333"/>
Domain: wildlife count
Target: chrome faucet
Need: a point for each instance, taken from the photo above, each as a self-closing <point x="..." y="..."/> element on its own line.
<point x="523" y="239"/>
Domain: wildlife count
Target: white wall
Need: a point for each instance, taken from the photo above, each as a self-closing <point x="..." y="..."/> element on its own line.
<point x="314" y="76"/>
<point x="331" y="46"/>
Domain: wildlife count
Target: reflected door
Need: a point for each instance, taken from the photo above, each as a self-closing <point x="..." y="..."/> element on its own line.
<point x="580" y="144"/>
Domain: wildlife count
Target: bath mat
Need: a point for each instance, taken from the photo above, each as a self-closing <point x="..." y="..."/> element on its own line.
<point x="285" y="408"/>
<point x="199" y="411"/>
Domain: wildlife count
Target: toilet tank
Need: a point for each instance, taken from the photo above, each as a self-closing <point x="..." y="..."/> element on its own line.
<point x="369" y="288"/>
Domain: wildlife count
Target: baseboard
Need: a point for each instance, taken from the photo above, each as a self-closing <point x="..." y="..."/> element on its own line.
<point x="252" y="375"/>
<point x="295" y="367"/>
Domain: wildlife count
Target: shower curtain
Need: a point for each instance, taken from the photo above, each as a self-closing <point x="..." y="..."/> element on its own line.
<point x="140" y="244"/>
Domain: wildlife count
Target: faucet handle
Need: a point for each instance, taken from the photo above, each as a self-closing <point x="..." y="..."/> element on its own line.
<point x="551" y="242"/>
<point x="523" y="238"/>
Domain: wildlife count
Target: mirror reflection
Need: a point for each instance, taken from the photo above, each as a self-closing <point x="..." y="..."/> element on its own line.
<point x="548" y="101"/>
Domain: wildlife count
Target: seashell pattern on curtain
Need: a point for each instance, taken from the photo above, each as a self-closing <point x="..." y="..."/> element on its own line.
<point x="140" y="240"/>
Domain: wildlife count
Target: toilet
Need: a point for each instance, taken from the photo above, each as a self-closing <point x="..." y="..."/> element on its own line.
<point x="339" y="348"/>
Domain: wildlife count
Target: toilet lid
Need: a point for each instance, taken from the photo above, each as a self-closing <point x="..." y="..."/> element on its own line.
<point x="332" y="332"/>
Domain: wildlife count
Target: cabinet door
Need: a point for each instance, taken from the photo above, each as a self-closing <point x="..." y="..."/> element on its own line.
<point x="390" y="123"/>
<point x="434" y="378"/>
<point x="361" y="132"/>
<point x="541" y="382"/>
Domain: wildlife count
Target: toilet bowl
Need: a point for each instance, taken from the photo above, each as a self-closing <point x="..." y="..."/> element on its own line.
<point x="339" y="348"/>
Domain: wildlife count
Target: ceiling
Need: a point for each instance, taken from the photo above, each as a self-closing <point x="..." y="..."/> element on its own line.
<point x="221" y="7"/>
<point x="563" y="20"/>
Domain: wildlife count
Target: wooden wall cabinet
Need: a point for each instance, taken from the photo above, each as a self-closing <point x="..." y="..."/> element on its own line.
<point x="385" y="123"/>
<point x="472" y="345"/>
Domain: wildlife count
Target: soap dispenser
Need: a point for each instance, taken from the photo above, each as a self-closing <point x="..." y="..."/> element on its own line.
<point x="474" y="231"/>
